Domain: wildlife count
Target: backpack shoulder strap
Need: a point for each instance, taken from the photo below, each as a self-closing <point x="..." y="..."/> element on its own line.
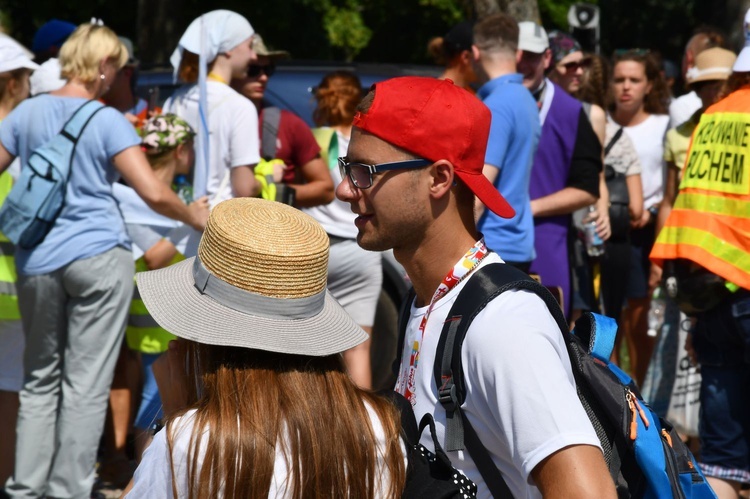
<point x="485" y="285"/>
<point x="75" y="125"/>
<point x="271" y="120"/>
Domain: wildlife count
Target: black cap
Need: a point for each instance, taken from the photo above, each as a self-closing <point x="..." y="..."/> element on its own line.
<point x="459" y="38"/>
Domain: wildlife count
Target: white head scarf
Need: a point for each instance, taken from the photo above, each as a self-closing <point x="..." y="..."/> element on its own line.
<point x="47" y="78"/>
<point x="223" y="29"/>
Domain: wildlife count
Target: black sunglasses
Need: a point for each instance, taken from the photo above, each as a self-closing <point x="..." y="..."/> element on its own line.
<point x="255" y="70"/>
<point x="573" y="66"/>
<point x="361" y="174"/>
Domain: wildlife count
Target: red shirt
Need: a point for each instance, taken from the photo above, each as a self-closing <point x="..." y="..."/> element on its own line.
<point x="295" y="144"/>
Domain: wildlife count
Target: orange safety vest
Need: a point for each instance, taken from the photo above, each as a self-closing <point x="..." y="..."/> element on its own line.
<point x="710" y="220"/>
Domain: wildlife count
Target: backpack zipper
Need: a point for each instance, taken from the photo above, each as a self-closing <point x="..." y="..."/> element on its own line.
<point x="635" y="410"/>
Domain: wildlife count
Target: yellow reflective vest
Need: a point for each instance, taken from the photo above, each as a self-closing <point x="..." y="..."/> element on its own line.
<point x="143" y="334"/>
<point x="710" y="221"/>
<point x="8" y="298"/>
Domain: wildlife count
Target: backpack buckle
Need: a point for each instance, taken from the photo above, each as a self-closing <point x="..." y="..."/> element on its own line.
<point x="447" y="395"/>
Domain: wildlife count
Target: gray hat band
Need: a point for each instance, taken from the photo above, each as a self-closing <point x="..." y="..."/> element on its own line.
<point x="253" y="303"/>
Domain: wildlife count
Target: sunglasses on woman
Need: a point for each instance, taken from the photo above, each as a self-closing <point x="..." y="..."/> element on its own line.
<point x="255" y="70"/>
<point x="573" y="66"/>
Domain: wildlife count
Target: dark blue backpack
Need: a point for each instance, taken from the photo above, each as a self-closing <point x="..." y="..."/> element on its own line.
<point x="645" y="456"/>
<point x="38" y="196"/>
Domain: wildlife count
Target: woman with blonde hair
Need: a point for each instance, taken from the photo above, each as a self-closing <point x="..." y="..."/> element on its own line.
<point x="257" y="398"/>
<point x="74" y="287"/>
<point x="355" y="276"/>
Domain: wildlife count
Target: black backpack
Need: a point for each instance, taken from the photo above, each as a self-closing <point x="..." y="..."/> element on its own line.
<point x="645" y="456"/>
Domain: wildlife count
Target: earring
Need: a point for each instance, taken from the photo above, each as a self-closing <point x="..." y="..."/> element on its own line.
<point x="101" y="76"/>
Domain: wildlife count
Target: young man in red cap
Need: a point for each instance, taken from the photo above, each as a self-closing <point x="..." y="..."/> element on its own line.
<point x="414" y="165"/>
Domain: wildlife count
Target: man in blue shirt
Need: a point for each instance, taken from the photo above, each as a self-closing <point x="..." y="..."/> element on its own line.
<point x="514" y="135"/>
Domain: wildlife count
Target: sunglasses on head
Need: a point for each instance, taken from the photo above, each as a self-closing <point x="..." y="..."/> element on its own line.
<point x="255" y="70"/>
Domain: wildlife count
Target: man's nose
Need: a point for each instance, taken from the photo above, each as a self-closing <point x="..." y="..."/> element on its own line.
<point x="346" y="191"/>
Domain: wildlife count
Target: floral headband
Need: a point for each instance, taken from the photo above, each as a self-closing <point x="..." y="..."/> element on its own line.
<point x="164" y="132"/>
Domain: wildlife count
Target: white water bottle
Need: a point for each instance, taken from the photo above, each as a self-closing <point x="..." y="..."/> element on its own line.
<point x="594" y="243"/>
<point x="656" y="312"/>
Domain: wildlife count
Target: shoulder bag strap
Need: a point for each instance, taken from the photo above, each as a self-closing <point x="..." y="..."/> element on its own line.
<point x="485" y="285"/>
<point x="271" y="120"/>
<point x="74" y="127"/>
<point x="613" y="141"/>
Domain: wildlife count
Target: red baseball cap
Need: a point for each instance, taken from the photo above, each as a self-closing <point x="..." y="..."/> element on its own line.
<point x="435" y="119"/>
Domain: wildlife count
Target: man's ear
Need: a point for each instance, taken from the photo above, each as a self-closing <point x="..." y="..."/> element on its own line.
<point x="443" y="177"/>
<point x="475" y="52"/>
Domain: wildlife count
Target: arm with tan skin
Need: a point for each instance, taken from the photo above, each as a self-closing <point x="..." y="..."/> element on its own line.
<point x="243" y="182"/>
<point x="562" y="202"/>
<point x="318" y="186"/>
<point x="134" y="168"/>
<point x="671" y="186"/>
<point x="577" y="471"/>
<point x="159" y="255"/>
<point x="491" y="172"/>
<point x="5" y="158"/>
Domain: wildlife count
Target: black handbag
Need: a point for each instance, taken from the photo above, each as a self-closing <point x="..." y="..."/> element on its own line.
<point x="619" y="199"/>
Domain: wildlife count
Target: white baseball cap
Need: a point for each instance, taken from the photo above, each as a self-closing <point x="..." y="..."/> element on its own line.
<point x="13" y="55"/>
<point x="742" y="63"/>
<point x="532" y="37"/>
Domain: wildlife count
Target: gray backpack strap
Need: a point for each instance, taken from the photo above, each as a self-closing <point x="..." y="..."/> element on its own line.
<point x="271" y="120"/>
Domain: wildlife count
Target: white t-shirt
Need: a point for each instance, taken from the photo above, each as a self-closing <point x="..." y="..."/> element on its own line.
<point x="682" y="108"/>
<point x="233" y="134"/>
<point x="648" y="139"/>
<point x="153" y="478"/>
<point x="520" y="392"/>
<point x="336" y="217"/>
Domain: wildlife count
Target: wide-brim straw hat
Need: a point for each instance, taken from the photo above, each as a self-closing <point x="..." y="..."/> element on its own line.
<point x="258" y="281"/>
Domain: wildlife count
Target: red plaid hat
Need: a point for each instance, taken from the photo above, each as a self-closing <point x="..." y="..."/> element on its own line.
<point x="435" y="119"/>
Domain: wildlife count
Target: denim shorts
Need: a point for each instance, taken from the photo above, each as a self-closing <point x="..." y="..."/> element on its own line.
<point x="722" y="343"/>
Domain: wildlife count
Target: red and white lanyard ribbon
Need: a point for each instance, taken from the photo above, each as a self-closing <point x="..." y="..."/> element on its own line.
<point x="465" y="265"/>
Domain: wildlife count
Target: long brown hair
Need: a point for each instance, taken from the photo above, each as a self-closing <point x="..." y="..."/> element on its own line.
<point x="253" y="402"/>
<point x="338" y="94"/>
<point x="657" y="100"/>
<point x="595" y="82"/>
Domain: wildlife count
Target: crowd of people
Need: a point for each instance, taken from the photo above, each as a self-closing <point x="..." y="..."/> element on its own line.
<point x="208" y="290"/>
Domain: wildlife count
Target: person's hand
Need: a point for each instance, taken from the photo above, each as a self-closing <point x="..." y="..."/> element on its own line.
<point x="171" y="377"/>
<point x="199" y="210"/>
<point x="641" y="222"/>
<point x="603" y="226"/>
<point x="654" y="278"/>
<point x="132" y="119"/>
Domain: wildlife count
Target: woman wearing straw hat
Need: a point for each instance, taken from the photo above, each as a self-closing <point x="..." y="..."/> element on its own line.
<point x="256" y="373"/>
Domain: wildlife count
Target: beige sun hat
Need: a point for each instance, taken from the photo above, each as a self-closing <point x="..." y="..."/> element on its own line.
<point x="258" y="281"/>
<point x="710" y="65"/>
